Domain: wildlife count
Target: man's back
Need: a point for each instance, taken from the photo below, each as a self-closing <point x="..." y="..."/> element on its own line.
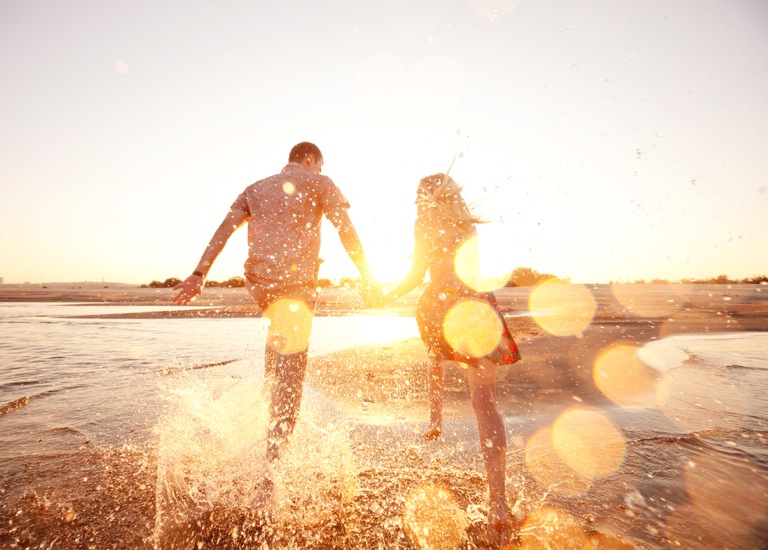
<point x="284" y="218"/>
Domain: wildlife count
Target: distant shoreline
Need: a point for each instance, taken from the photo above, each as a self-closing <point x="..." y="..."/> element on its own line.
<point x="747" y="303"/>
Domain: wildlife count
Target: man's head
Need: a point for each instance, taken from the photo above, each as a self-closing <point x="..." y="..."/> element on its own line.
<point x="308" y="155"/>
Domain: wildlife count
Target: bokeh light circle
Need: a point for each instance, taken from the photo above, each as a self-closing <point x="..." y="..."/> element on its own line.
<point x="589" y="443"/>
<point x="289" y="188"/>
<point x="122" y="67"/>
<point x="551" y="528"/>
<point x="473" y="328"/>
<point x="544" y="463"/>
<point x="433" y="519"/>
<point x="291" y="325"/>
<point x="562" y="309"/>
<point x="468" y="268"/>
<point x="624" y="379"/>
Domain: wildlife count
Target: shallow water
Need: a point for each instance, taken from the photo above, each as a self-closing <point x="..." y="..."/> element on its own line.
<point x="102" y="377"/>
<point x="714" y="384"/>
<point x="161" y="421"/>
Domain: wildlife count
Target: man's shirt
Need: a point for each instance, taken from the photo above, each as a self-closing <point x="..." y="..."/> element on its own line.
<point x="284" y="218"/>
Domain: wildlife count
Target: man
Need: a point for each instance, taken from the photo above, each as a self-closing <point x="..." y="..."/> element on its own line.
<point x="284" y="214"/>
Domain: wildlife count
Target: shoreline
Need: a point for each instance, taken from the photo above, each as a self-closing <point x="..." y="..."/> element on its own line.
<point x="744" y="300"/>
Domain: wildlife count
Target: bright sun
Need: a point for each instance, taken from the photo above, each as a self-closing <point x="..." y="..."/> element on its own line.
<point x="390" y="261"/>
<point x="389" y="253"/>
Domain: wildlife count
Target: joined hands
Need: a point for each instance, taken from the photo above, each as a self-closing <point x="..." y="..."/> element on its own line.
<point x="371" y="294"/>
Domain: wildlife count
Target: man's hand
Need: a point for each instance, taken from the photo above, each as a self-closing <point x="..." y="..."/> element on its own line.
<point x="189" y="288"/>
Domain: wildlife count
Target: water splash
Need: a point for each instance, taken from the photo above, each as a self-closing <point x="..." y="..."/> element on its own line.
<point x="212" y="469"/>
<point x="210" y="451"/>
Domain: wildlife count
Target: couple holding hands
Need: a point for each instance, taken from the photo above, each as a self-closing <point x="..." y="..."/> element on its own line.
<point x="456" y="322"/>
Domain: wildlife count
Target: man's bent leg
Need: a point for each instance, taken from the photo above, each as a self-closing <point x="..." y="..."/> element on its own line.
<point x="285" y="400"/>
<point x="290" y="312"/>
<point x="270" y="365"/>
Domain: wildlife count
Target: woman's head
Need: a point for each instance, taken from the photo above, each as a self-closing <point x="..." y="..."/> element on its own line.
<point x="437" y="185"/>
<point x="440" y="194"/>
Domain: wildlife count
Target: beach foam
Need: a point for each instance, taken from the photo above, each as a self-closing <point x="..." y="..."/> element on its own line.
<point x="743" y="349"/>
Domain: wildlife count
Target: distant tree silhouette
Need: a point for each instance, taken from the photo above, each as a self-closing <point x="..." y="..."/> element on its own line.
<point x="525" y="276"/>
<point x="232" y="282"/>
<point x="521" y="276"/>
<point x="349" y="282"/>
<point x="725" y="280"/>
<point x="168" y="283"/>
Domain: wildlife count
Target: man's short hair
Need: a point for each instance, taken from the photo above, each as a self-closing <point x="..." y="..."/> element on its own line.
<point x="302" y="150"/>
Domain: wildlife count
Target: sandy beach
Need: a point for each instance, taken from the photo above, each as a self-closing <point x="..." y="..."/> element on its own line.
<point x="641" y="504"/>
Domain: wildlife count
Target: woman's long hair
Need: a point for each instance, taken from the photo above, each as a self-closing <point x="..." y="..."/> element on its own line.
<point x="439" y="197"/>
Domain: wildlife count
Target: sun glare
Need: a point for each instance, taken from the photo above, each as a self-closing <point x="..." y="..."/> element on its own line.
<point x="390" y="260"/>
<point x="476" y="269"/>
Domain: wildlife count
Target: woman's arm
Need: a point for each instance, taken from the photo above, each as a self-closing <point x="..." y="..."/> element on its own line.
<point x="422" y="255"/>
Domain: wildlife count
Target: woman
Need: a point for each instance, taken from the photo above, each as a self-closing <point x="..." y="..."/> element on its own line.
<point x="459" y="323"/>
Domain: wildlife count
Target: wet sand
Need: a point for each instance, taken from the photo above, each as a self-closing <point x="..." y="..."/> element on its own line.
<point x="92" y="498"/>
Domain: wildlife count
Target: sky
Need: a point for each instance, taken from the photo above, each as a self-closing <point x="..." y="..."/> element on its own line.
<point x="602" y="140"/>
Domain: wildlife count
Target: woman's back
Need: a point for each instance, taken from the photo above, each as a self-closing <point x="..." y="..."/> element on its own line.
<point x="446" y="237"/>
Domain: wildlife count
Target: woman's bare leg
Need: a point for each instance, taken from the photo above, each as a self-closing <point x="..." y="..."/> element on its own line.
<point x="493" y="441"/>
<point x="436" y="376"/>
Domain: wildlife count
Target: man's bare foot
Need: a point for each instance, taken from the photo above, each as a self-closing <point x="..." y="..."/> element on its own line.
<point x="262" y="497"/>
<point x="499" y="531"/>
<point x="432" y="433"/>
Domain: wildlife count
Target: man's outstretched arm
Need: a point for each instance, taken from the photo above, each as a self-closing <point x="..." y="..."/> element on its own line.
<point x="351" y="243"/>
<point x="193" y="285"/>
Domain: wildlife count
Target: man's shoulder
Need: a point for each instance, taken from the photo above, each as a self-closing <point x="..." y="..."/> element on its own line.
<point x="265" y="182"/>
<point x="309" y="181"/>
<point x="293" y="170"/>
<point x="300" y="175"/>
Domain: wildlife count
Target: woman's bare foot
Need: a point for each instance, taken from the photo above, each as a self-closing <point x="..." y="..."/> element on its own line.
<point x="432" y="433"/>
